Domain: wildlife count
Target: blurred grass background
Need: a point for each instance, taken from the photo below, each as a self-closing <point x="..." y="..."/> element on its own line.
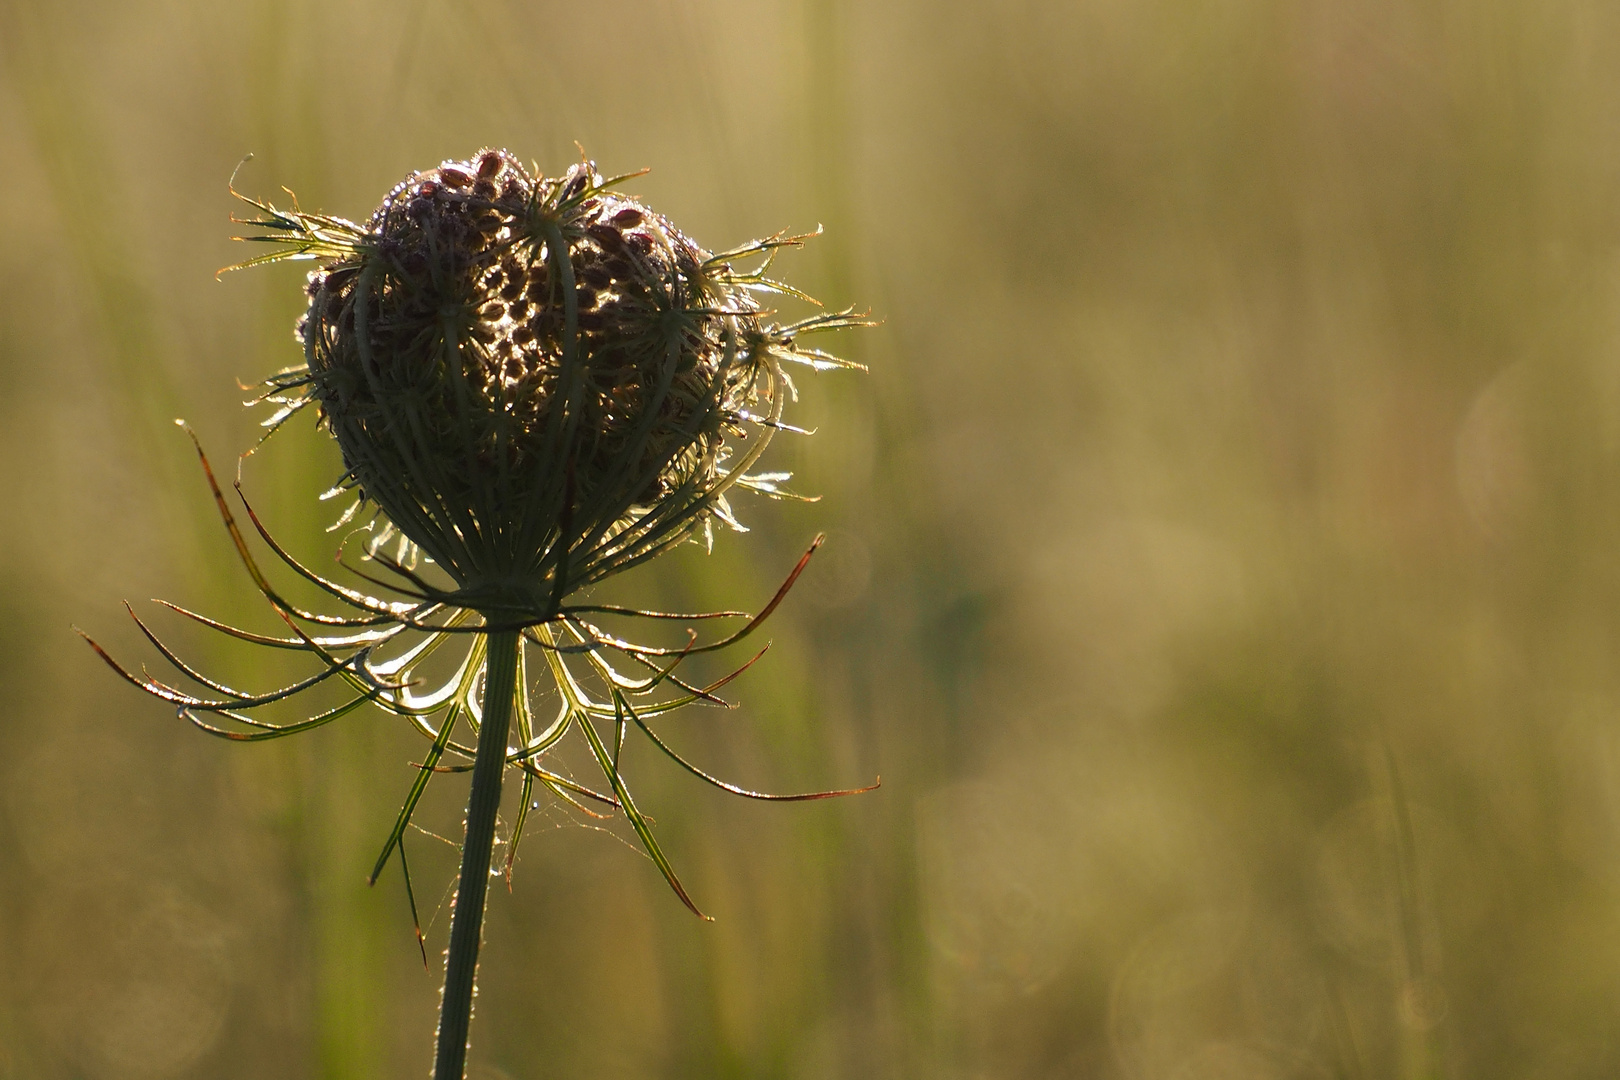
<point x="1222" y="572"/>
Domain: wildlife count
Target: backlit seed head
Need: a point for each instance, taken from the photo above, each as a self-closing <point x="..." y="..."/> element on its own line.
<point x="527" y="389"/>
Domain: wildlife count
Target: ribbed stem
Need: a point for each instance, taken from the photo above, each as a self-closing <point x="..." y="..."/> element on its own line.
<point x="467" y="924"/>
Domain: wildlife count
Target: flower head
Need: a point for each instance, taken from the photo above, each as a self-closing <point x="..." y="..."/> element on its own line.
<point x="539" y="381"/>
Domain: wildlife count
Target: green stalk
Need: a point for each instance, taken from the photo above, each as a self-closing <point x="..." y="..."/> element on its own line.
<point x="467" y="925"/>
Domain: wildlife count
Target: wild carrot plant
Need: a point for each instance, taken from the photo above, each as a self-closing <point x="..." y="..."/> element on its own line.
<point x="535" y="383"/>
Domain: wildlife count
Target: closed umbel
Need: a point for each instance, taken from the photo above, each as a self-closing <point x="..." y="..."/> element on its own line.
<point x="534" y="379"/>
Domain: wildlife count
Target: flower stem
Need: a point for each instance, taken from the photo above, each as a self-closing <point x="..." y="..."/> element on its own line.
<point x="467" y="924"/>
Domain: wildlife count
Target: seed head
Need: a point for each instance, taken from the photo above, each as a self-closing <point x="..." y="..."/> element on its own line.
<point x="539" y="381"/>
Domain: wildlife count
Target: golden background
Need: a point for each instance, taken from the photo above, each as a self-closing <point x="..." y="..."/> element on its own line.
<point x="1222" y="573"/>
